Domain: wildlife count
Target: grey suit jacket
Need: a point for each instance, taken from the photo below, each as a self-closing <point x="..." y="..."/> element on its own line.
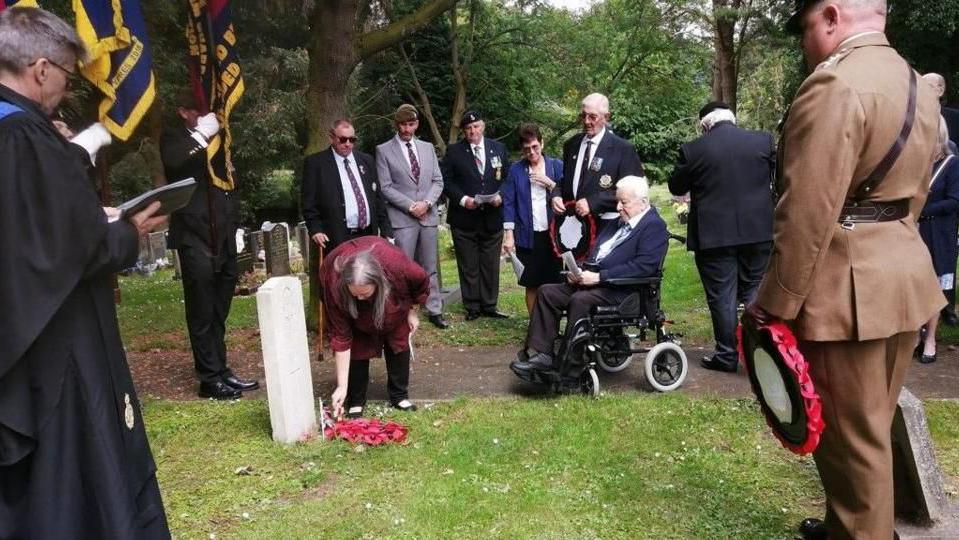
<point x="398" y="186"/>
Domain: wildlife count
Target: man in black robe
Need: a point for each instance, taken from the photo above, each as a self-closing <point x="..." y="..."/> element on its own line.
<point x="74" y="456"/>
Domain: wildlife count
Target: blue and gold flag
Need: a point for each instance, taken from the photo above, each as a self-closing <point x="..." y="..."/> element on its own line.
<point x="215" y="76"/>
<point x="4" y="4"/>
<point x="120" y="61"/>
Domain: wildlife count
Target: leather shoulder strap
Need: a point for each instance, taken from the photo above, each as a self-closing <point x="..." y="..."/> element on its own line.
<point x="881" y="170"/>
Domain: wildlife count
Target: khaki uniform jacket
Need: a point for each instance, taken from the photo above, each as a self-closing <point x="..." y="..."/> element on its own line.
<point x="875" y="280"/>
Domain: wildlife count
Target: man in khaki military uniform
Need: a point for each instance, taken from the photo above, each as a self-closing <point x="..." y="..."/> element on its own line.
<point x="848" y="270"/>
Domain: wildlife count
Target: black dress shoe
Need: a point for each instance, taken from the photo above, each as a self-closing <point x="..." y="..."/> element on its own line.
<point x="812" y="529"/>
<point x="539" y="361"/>
<point x="242" y="385"/>
<point x="717" y="365"/>
<point x="356" y="411"/>
<point x="927" y="358"/>
<point x="439" y="322"/>
<point x="219" y="390"/>
<point x="493" y="314"/>
<point x="472" y="315"/>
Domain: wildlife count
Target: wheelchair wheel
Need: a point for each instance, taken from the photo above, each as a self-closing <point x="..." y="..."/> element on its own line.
<point x="666" y="366"/>
<point x="589" y="383"/>
<point x="614" y="354"/>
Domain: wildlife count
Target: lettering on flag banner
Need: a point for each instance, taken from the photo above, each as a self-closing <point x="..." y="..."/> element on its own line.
<point x="4" y="4"/>
<point x="216" y="77"/>
<point x="120" y="63"/>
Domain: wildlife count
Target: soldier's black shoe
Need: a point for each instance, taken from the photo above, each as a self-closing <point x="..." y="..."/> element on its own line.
<point x="242" y="385"/>
<point x="219" y="390"/>
<point x="492" y="313"/>
<point x="718" y="365"/>
<point x="812" y="529"/>
<point x="472" y="315"/>
<point x="949" y="317"/>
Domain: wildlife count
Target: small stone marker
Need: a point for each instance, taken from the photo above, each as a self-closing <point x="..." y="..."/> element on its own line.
<point x="286" y="359"/>
<point x="277" y="250"/>
<point x="919" y="492"/>
<point x="157" y="246"/>
<point x="245" y="257"/>
<point x="303" y="239"/>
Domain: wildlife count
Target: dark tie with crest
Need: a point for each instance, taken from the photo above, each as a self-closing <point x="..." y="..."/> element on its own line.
<point x="414" y="165"/>
<point x="362" y="221"/>
<point x="583" y="167"/>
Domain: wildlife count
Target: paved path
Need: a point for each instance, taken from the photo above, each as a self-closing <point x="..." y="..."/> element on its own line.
<point x="445" y="373"/>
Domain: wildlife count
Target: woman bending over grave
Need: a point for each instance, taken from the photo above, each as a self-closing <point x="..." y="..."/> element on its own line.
<point x="371" y="291"/>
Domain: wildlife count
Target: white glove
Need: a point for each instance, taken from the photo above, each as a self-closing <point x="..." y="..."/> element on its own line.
<point x="93" y="139"/>
<point x="207" y="125"/>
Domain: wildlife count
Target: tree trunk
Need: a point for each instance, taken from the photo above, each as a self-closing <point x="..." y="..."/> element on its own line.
<point x="725" y="76"/>
<point x="333" y="56"/>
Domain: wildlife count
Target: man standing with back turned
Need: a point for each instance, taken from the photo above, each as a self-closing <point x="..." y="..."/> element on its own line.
<point x="848" y="270"/>
<point x="727" y="173"/>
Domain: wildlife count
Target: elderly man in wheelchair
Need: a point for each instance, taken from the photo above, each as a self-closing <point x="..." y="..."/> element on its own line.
<point x="618" y="287"/>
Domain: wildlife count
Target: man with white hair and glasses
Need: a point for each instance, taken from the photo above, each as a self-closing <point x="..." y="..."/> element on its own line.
<point x="74" y="457"/>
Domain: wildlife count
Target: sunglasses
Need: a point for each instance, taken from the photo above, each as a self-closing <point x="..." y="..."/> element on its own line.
<point x="71" y="76"/>
<point x="344" y="140"/>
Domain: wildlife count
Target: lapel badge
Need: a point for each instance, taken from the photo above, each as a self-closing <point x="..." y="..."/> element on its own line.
<point x="362" y="169"/>
<point x="373" y="186"/>
<point x="596" y="164"/>
<point x="495" y="162"/>
<point x="606" y="181"/>
<point x="128" y="411"/>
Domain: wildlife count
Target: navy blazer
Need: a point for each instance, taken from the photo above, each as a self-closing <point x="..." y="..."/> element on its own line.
<point x="518" y="199"/>
<point x="940" y="217"/>
<point x="728" y="173"/>
<point x="640" y="255"/>
<point x="460" y="179"/>
<point x="619" y="159"/>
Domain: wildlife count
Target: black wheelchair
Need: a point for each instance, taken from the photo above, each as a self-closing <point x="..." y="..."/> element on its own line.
<point x="606" y="337"/>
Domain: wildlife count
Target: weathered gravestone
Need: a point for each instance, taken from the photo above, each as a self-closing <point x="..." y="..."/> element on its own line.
<point x="920" y="496"/>
<point x="277" y="250"/>
<point x="158" y="247"/>
<point x="303" y="240"/>
<point x="286" y="359"/>
<point x="245" y="256"/>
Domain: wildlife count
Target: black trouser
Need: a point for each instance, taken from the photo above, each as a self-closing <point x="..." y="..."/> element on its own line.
<point x="397" y="378"/>
<point x="730" y="276"/>
<point x="554" y="298"/>
<point x="208" y="285"/>
<point x="477" y="261"/>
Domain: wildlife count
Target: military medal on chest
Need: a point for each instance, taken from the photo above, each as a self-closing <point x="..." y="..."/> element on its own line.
<point x="497" y="166"/>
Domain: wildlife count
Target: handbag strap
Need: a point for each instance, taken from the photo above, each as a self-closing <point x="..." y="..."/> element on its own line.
<point x="942" y="167"/>
<point x="881" y="170"/>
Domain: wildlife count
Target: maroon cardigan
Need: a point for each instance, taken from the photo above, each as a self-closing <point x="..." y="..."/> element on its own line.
<point x="409" y="283"/>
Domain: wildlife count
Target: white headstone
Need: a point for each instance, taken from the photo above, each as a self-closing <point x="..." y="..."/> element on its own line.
<point x="286" y="359"/>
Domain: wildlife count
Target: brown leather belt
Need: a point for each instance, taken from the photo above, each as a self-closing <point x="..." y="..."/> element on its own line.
<point x="873" y="211"/>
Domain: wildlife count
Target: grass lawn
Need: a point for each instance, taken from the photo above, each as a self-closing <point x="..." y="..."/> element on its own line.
<point x="151" y="313"/>
<point x="624" y="466"/>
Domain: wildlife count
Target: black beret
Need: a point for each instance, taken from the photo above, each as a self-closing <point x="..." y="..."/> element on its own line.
<point x="469" y="117"/>
<point x="710" y="107"/>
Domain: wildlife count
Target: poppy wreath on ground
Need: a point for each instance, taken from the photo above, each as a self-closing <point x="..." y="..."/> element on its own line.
<point x="779" y="376"/>
<point x="370" y="432"/>
<point x="586" y="242"/>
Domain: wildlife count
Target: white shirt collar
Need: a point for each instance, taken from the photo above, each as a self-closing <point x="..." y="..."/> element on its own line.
<point x="596" y="138"/>
<point x="402" y="143"/>
<point x="635" y="219"/>
<point x="349" y="157"/>
<point x="481" y="144"/>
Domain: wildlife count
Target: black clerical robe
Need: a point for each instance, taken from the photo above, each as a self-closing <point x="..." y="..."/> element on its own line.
<point x="74" y="457"/>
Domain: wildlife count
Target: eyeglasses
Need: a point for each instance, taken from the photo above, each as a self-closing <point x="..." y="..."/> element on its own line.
<point x="589" y="116"/>
<point x="344" y="140"/>
<point x="70" y="76"/>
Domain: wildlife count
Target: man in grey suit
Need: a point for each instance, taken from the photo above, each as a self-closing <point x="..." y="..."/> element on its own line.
<point x="410" y="176"/>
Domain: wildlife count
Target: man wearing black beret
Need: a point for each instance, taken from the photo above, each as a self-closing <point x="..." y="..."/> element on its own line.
<point x="473" y="172"/>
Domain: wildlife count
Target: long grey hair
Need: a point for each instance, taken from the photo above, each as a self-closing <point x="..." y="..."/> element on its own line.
<point x="363" y="269"/>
